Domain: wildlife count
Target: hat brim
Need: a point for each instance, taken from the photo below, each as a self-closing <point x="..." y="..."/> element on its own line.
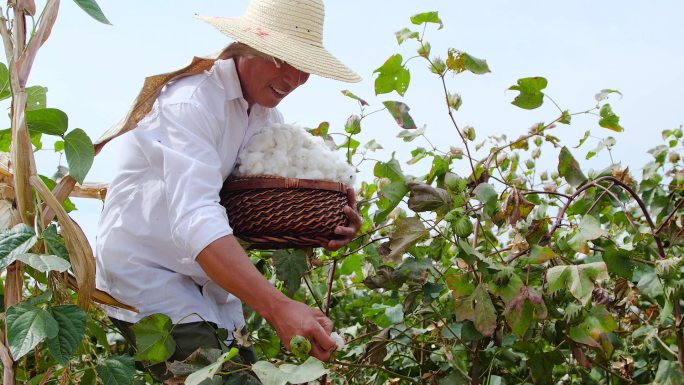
<point x="303" y="56"/>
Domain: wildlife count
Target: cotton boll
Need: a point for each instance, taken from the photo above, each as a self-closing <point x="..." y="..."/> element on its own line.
<point x="339" y="341"/>
<point x="345" y="174"/>
<point x="312" y="174"/>
<point x="260" y="142"/>
<point x="290" y="151"/>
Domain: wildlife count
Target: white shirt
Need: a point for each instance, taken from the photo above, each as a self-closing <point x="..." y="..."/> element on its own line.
<point x="163" y="207"/>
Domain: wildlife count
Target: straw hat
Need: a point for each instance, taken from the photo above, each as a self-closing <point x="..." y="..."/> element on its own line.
<point x="290" y="30"/>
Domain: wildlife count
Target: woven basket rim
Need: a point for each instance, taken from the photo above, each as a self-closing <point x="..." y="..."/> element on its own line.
<point x="234" y="183"/>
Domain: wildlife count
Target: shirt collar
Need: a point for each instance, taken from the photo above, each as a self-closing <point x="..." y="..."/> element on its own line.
<point x="227" y="74"/>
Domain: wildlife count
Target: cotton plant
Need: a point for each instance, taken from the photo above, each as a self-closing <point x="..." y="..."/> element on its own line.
<point x="289" y="151"/>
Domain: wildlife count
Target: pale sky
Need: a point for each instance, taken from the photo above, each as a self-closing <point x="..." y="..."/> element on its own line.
<point x="93" y="71"/>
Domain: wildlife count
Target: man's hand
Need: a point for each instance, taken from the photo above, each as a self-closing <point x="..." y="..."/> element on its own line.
<point x="227" y="264"/>
<point x="295" y="318"/>
<point x="346" y="234"/>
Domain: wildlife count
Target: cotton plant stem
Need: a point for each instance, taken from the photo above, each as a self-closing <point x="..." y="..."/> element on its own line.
<point x="678" y="331"/>
<point x="328" y="297"/>
<point x="7" y="364"/>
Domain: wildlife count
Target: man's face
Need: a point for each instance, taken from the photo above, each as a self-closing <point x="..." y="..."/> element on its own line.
<point x="264" y="83"/>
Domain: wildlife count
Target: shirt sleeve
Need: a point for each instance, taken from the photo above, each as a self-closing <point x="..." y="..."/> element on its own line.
<point x="182" y="147"/>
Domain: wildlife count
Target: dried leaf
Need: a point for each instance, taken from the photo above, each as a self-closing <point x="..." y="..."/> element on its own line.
<point x="80" y="253"/>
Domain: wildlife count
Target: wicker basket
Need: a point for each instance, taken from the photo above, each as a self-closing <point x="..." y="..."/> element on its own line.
<point x="279" y="213"/>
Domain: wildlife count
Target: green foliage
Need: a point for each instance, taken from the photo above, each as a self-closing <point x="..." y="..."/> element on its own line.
<point x="392" y="76"/>
<point x="269" y="374"/>
<point x="27" y="326"/>
<point x="530" y="96"/>
<point x="116" y="370"/>
<point x="512" y="272"/>
<point x="93" y="9"/>
<point x="209" y="371"/>
<point x="71" y="321"/>
<point x="79" y="153"/>
<point x="153" y="338"/>
<point x="14" y="242"/>
<point x="290" y="267"/>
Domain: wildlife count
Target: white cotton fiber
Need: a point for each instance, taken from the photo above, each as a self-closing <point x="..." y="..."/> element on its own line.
<point x="290" y="151"/>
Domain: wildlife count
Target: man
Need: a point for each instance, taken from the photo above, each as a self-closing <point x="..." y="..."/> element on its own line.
<point x="164" y="243"/>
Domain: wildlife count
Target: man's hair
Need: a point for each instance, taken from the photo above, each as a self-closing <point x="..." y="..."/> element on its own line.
<point x="243" y="50"/>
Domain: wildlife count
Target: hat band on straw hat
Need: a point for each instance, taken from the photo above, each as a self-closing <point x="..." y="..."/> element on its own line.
<point x="290" y="30"/>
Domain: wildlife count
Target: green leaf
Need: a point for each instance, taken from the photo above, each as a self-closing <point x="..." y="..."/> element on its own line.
<point x="153" y="338"/>
<point x="460" y="61"/>
<point x="392" y="76"/>
<point x="609" y="120"/>
<point x="588" y="230"/>
<point x="399" y="112"/>
<point x="598" y="323"/>
<point x="669" y="373"/>
<point x="427" y="17"/>
<point x="541" y="366"/>
<point x="408" y="231"/>
<point x="91" y="8"/>
<point x="608" y="143"/>
<point x="290" y="268"/>
<point x="390" y="170"/>
<point x="530" y="96"/>
<point x="270" y="374"/>
<point x="72" y="322"/>
<point x="14" y="242"/>
<point x="27" y="327"/>
<point x="479" y="309"/>
<point x="50" y="121"/>
<point x="45" y="262"/>
<point x="485" y="193"/>
<point x="54" y="242"/>
<point x="5" y="139"/>
<point x="410" y="135"/>
<point x="373" y="145"/>
<point x="569" y="169"/>
<point x="578" y="279"/>
<point x="116" y="370"/>
<point x="79" y="153"/>
<point x="619" y="262"/>
<point x="540" y="254"/>
<point x="59" y="146"/>
<point x="350" y="95"/>
<point x="405" y="34"/>
<point x="391" y="194"/>
<point x="36" y="98"/>
<point x="603" y="95"/>
<point x="5" y="90"/>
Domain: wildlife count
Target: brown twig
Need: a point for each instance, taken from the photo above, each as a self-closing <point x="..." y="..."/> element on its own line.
<point x="635" y="196"/>
<point x="669" y="217"/>
<point x="377" y="367"/>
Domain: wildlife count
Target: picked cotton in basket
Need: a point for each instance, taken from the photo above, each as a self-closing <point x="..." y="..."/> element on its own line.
<point x="291" y="152"/>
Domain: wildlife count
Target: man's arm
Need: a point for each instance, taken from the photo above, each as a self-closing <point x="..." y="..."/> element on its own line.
<point x="227" y="264"/>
